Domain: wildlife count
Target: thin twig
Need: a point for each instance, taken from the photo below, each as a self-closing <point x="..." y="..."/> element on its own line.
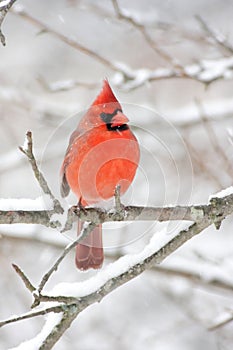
<point x="217" y="37"/>
<point x="117" y="196"/>
<point x="222" y="323"/>
<point x="142" y="29"/>
<point x="28" y="151"/>
<point x="56" y="309"/>
<point x="5" y="6"/>
<point x="65" y="85"/>
<point x="71" y="42"/>
<point x="24" y="278"/>
<point x="85" y="232"/>
<point x="194" y="278"/>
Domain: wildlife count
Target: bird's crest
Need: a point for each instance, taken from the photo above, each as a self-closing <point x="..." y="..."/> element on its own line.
<point x="106" y="95"/>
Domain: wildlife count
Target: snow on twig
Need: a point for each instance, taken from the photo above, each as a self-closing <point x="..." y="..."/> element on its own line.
<point x="224" y="193"/>
<point x="205" y="71"/>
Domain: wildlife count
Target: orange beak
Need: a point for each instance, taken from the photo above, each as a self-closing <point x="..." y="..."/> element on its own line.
<point x="119" y="119"/>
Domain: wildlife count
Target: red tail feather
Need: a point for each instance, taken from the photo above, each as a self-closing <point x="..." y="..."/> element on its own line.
<point x="89" y="253"/>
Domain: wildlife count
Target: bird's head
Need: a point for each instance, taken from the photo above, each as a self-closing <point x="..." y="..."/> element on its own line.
<point x="106" y="110"/>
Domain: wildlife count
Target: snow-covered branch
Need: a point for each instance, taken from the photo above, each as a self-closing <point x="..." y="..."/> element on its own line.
<point x="78" y="296"/>
<point x="205" y="71"/>
<point x="129" y="213"/>
<point x="126" y="78"/>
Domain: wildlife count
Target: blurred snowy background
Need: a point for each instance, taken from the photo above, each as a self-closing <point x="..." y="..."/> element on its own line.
<point x="156" y="56"/>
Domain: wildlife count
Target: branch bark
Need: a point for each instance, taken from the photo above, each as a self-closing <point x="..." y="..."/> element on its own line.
<point x="28" y="151"/>
<point x="56" y="309"/>
<point x="218" y="38"/>
<point x="5" y="6"/>
<point x="216" y="210"/>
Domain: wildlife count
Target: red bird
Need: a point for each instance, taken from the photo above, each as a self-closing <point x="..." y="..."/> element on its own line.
<point x="102" y="153"/>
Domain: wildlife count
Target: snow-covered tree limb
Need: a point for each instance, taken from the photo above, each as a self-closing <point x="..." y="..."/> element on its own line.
<point x="131" y="213"/>
<point x="205" y="71"/>
<point x="123" y="270"/>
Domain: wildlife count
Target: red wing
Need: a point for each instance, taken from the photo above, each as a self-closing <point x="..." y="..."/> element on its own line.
<point x="64" y="186"/>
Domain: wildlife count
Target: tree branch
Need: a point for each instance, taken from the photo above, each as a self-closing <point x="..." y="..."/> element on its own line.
<point x="126" y="269"/>
<point x="24" y="278"/>
<point x="216" y="37"/>
<point x="84" y="233"/>
<point x="71" y="42"/>
<point x="189" y="275"/>
<point x="142" y="29"/>
<point x="131" y="213"/>
<point x="203" y="72"/>
<point x="56" y="309"/>
<point x="57" y="332"/>
<point x="5" y="6"/>
<point x="118" y="279"/>
<point x="39" y="217"/>
<point x="28" y="151"/>
<point x="222" y="323"/>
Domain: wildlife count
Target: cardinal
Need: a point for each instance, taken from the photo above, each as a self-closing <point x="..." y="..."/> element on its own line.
<point x="102" y="153"/>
